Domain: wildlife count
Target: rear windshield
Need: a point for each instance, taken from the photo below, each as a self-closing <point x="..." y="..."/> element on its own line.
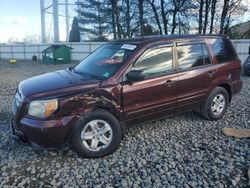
<point x="223" y="50"/>
<point x="106" y="60"/>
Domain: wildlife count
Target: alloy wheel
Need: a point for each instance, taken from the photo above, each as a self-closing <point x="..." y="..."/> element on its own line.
<point x="218" y="104"/>
<point x="96" y="135"/>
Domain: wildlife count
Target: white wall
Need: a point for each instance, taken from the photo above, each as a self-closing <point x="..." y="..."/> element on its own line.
<point x="21" y="51"/>
<point x="82" y="49"/>
<point x="242" y="47"/>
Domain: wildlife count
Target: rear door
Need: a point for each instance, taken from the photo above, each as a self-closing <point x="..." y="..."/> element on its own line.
<point x="227" y="61"/>
<point x="157" y="93"/>
<point x="195" y="72"/>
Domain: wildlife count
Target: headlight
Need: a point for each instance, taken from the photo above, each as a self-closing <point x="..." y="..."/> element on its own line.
<point x="42" y="108"/>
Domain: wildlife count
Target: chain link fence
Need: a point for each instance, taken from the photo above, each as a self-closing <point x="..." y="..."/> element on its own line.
<point x="82" y="49"/>
<point x="25" y="52"/>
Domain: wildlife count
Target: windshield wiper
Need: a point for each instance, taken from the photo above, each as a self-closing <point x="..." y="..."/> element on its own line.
<point x="93" y="76"/>
<point x="85" y="74"/>
<point x="73" y="70"/>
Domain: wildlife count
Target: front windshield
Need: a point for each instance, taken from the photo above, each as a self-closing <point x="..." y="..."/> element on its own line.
<point x="105" y="61"/>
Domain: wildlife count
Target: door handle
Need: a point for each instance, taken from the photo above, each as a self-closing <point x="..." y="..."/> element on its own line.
<point x="211" y="73"/>
<point x="169" y="83"/>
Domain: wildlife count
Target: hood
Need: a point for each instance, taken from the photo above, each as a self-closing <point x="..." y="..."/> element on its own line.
<point x="54" y="81"/>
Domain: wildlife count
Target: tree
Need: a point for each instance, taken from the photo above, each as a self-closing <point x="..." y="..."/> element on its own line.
<point x="141" y="20"/>
<point x="128" y="18"/>
<point x="94" y="19"/>
<point x="115" y="19"/>
<point x="179" y="6"/>
<point x="30" y="39"/>
<point x="148" y="30"/>
<point x="164" y="16"/>
<point x="74" y="35"/>
<point x="106" y="19"/>
<point x="213" y="10"/>
<point x="230" y="8"/>
<point x="114" y="15"/>
<point x="223" y="15"/>
<point x="154" y="8"/>
<point x="207" y="9"/>
<point x="200" y="16"/>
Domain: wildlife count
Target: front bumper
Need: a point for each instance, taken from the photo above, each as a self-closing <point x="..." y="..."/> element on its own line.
<point x="47" y="134"/>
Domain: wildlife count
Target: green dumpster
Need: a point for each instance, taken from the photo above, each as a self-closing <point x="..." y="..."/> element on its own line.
<point x="56" y="54"/>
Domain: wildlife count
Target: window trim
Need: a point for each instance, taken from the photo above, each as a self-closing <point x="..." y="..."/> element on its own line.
<point x="123" y="78"/>
<point x="148" y="50"/>
<point x="170" y="44"/>
<point x="192" y="43"/>
<point x="231" y="46"/>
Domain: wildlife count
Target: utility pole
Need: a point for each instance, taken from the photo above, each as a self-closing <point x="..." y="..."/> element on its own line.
<point x="43" y="31"/>
<point x="53" y="9"/>
<point x="67" y="20"/>
<point x="55" y="21"/>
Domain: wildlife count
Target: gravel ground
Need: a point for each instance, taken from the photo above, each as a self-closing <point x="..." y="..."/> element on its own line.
<point x="180" y="151"/>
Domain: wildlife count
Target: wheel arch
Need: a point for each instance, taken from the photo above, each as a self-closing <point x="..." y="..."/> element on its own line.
<point x="95" y="108"/>
<point x="114" y="112"/>
<point x="228" y="88"/>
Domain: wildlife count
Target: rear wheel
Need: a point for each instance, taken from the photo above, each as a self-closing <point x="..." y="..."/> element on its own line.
<point x="216" y="104"/>
<point x="97" y="135"/>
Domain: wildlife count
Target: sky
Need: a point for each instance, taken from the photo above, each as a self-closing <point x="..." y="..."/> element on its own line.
<point x="21" y="18"/>
<point x="18" y="19"/>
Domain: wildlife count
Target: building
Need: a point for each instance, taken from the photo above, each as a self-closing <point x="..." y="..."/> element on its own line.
<point x="241" y="30"/>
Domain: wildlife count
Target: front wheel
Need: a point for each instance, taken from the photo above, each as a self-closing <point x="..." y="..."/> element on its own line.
<point x="216" y="104"/>
<point x="97" y="135"/>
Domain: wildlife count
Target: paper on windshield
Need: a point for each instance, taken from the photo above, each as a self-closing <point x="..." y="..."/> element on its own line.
<point x="128" y="47"/>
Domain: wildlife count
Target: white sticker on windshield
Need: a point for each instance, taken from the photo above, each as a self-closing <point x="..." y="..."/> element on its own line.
<point x="128" y="47"/>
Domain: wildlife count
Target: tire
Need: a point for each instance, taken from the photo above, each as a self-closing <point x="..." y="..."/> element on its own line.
<point x="86" y="134"/>
<point x="211" y="109"/>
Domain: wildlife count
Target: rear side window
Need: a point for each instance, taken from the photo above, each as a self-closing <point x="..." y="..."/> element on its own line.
<point x="223" y="50"/>
<point x="192" y="55"/>
<point x="156" y="62"/>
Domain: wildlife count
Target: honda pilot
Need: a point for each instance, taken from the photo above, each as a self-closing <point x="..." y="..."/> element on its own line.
<point x="124" y="82"/>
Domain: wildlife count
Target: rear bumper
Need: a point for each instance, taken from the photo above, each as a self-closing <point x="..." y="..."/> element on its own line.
<point x="236" y="86"/>
<point x="47" y="134"/>
<point x="247" y="71"/>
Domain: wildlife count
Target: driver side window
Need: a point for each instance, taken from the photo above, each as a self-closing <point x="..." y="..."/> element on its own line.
<point x="155" y="62"/>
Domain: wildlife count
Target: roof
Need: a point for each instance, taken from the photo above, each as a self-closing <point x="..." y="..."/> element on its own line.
<point x="241" y="29"/>
<point x="154" y="38"/>
<point x="240" y="24"/>
<point x="55" y="47"/>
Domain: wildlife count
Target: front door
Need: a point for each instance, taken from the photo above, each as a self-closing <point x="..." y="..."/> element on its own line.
<point x="157" y="93"/>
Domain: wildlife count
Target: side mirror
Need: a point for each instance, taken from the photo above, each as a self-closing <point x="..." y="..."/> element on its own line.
<point x="135" y="75"/>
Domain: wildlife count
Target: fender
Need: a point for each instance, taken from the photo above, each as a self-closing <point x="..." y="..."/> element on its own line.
<point x="222" y="81"/>
<point x="85" y="103"/>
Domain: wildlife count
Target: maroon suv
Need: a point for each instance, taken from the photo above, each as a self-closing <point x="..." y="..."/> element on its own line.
<point x="121" y="83"/>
